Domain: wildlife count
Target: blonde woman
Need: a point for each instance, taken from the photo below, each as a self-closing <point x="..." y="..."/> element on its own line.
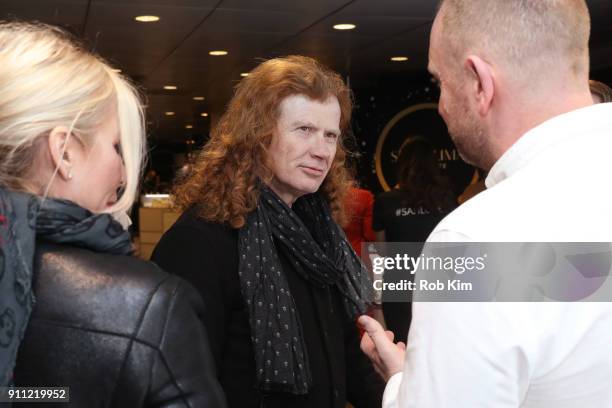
<point x="75" y="307"/>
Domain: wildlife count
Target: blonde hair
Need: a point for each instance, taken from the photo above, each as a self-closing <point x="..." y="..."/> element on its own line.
<point x="47" y="80"/>
<point x="527" y="37"/>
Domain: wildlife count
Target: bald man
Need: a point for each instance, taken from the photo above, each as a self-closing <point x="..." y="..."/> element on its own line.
<point x="515" y="96"/>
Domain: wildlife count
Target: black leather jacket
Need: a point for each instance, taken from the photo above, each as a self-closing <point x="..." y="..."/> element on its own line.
<point x="118" y="331"/>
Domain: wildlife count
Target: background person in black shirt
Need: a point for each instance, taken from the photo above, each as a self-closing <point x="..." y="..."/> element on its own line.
<point x="408" y="213"/>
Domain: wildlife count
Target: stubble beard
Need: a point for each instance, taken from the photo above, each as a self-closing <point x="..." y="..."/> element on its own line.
<point x="469" y="139"/>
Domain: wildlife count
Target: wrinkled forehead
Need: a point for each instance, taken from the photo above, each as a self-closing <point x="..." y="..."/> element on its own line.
<point x="301" y="109"/>
<point x="302" y="104"/>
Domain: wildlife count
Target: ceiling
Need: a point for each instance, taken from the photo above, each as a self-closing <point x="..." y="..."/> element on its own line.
<point x="174" y="50"/>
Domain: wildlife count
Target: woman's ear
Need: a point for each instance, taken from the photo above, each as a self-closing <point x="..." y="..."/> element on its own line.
<point x="62" y="151"/>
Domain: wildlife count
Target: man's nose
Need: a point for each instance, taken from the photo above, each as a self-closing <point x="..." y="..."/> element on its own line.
<point x="321" y="147"/>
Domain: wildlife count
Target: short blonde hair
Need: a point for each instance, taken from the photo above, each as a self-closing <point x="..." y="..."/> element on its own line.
<point x="526" y="36"/>
<point x="47" y="80"/>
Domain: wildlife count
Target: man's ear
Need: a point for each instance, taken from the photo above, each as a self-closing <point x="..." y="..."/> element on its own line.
<point x="61" y="148"/>
<point x="484" y="83"/>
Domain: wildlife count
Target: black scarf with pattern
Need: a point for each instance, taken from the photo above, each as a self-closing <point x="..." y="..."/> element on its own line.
<point x="24" y="219"/>
<point x="320" y="253"/>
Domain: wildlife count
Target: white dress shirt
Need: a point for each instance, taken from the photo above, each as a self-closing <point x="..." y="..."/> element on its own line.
<point x="553" y="184"/>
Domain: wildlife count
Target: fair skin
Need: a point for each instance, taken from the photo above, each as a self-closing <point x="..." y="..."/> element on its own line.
<point x="486" y="110"/>
<point x="89" y="176"/>
<point x="488" y="107"/>
<point x="303" y="146"/>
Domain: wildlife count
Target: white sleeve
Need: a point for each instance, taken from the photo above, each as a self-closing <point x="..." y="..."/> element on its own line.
<point x="444" y="235"/>
<point x="461" y="354"/>
<point x="392" y="391"/>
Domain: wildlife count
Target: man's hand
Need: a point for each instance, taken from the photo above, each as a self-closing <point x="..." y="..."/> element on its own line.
<point x="377" y="344"/>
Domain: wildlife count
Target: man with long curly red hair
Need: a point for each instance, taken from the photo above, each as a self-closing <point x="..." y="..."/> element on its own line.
<point x="260" y="239"/>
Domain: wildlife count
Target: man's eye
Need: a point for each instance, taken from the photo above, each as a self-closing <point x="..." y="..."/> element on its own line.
<point x="117" y="147"/>
<point x="332" y="135"/>
<point x="305" y="128"/>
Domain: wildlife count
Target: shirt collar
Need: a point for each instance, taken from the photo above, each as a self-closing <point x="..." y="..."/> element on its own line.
<point x="547" y="134"/>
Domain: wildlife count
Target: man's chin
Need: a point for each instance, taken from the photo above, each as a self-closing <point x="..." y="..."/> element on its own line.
<point x="310" y="189"/>
<point x="469" y="150"/>
<point x="467" y="158"/>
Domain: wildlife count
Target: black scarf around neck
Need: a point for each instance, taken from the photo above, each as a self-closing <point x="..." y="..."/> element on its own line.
<point x="24" y="219"/>
<point x="320" y="253"/>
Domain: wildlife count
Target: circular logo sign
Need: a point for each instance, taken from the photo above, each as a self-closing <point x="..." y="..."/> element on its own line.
<point x="419" y="121"/>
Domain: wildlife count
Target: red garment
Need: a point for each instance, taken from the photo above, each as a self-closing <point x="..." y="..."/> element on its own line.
<point x="358" y="205"/>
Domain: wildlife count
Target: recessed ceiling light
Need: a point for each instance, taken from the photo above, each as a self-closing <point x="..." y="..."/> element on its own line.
<point x="169" y="113"/>
<point x="204" y="114"/>
<point x="244" y="74"/>
<point x="346" y="26"/>
<point x="146" y="19"/>
<point x="198" y="98"/>
<point x="217" y="53"/>
<point x="188" y="126"/>
<point x="117" y="70"/>
<point x="399" y="59"/>
<point x="170" y="87"/>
